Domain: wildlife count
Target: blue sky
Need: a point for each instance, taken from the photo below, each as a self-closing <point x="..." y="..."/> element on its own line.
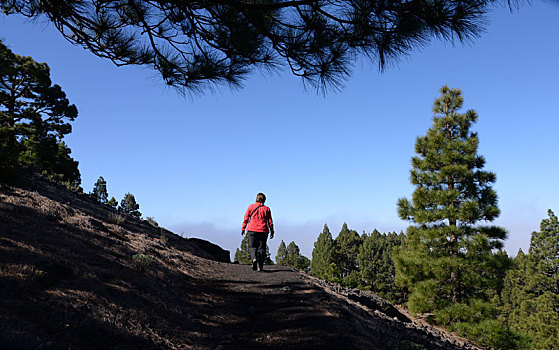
<point x="195" y="163"/>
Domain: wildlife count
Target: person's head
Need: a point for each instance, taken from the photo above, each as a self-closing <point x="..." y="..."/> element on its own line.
<point x="261" y="197"/>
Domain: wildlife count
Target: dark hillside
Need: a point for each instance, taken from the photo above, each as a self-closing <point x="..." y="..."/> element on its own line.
<point x="72" y="276"/>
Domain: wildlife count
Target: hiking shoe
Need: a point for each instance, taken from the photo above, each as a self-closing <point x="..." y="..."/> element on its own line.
<point x="254" y="264"/>
<point x="260" y="268"/>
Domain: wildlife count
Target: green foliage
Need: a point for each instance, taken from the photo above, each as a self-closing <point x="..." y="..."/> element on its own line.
<point x="141" y="262"/>
<point x="128" y="205"/>
<point x="490" y="334"/>
<point x="358" y="261"/>
<point x="100" y="190"/>
<point x="34" y="117"/>
<point x="346" y="250"/>
<point x="319" y="40"/>
<point x="376" y="265"/>
<point x="323" y="255"/>
<point x="112" y="202"/>
<point x="281" y="254"/>
<point x="451" y="266"/>
<point x="291" y="256"/>
<point x="530" y="295"/>
<point x="242" y="255"/>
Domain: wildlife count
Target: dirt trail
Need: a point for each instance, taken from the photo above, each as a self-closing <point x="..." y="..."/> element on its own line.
<point x="281" y="308"/>
<point x="69" y="279"/>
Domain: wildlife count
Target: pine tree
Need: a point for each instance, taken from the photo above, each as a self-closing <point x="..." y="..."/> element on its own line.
<point x="34" y="117"/>
<point x="376" y="265"/>
<point x="192" y="43"/>
<point x="347" y="248"/>
<point x="281" y="255"/>
<point x="292" y="254"/>
<point x="531" y="293"/>
<point x="242" y="255"/>
<point x="100" y="190"/>
<point x="447" y="261"/>
<point x="323" y="254"/>
<point x="112" y="202"/>
<point x="128" y="205"/>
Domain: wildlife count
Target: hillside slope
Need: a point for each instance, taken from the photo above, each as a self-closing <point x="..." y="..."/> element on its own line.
<point x="71" y="277"/>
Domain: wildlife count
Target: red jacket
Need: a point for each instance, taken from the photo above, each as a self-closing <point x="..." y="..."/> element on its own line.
<point x="261" y="219"/>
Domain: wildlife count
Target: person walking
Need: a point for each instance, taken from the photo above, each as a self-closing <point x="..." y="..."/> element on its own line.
<point x="258" y="223"/>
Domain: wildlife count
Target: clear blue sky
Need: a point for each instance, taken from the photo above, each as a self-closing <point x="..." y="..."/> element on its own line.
<point x="196" y="163"/>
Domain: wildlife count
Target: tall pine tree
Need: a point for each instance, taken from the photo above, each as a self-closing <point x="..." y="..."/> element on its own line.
<point x="323" y="254"/>
<point x="448" y="260"/>
<point x="347" y="248"/>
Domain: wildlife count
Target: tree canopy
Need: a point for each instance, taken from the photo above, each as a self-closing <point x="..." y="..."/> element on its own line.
<point x="194" y="44"/>
<point x="34" y="117"/>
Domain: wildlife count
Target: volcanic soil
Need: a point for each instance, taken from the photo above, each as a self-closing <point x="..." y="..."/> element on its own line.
<point x="75" y="275"/>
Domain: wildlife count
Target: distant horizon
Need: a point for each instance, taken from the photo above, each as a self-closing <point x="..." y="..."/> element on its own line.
<point x="195" y="163"/>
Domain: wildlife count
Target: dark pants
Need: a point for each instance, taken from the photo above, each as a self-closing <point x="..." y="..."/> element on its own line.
<point x="257" y="246"/>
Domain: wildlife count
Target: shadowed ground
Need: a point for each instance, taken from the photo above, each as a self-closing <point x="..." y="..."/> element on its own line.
<point x="70" y="278"/>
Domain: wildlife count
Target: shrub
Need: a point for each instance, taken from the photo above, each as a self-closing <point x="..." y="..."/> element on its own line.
<point x="152" y="221"/>
<point x="141" y="262"/>
<point x="116" y="219"/>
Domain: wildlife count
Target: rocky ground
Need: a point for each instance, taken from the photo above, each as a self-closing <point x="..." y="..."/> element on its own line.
<point x="74" y="275"/>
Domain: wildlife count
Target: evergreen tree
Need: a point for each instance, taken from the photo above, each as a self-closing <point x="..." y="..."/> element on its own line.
<point x="447" y="261"/>
<point x="376" y="265"/>
<point x="268" y="260"/>
<point x="34" y="117"/>
<point x="242" y="255"/>
<point x="282" y="253"/>
<point x="128" y="205"/>
<point x="100" y="190"/>
<point x="531" y="293"/>
<point x="112" y="202"/>
<point x="191" y="43"/>
<point x="347" y="248"/>
<point x="292" y="254"/>
<point x="323" y="255"/>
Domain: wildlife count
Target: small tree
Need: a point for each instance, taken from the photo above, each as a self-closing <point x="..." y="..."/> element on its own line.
<point x="100" y="190"/>
<point x="282" y="253"/>
<point x="112" y="202"/>
<point x="323" y="254"/>
<point x="128" y="205"/>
